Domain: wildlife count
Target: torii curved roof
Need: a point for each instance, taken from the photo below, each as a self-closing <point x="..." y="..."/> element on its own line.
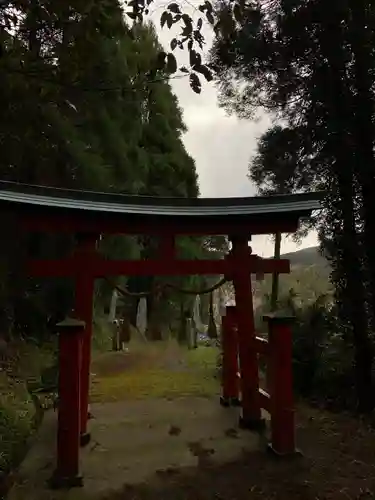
<point x="104" y="212"/>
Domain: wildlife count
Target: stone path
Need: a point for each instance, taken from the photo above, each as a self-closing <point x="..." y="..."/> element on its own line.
<point x="153" y="445"/>
<point x="134" y="441"/>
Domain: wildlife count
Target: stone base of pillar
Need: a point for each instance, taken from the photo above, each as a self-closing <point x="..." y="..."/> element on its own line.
<point x="235" y="402"/>
<point x="227" y="402"/>
<point x="59" y="482"/>
<point x="290" y="455"/>
<point x="251" y="424"/>
<point x="84" y="439"/>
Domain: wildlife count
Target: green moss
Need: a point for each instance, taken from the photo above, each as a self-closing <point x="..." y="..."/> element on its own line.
<point x="17" y="410"/>
<point x="154" y="384"/>
<point x="158" y="379"/>
<point x="202" y="357"/>
<point x="17" y="413"/>
<point x="102" y="335"/>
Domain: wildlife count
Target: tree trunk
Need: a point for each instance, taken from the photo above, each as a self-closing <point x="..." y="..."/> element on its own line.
<point x="339" y="148"/>
<point x="212" y="330"/>
<point x="32" y="24"/>
<point x="125" y="334"/>
<point x="182" y="330"/>
<point x="112" y="307"/>
<point x="275" y="276"/>
<point x="153" y="331"/>
<point x="364" y="130"/>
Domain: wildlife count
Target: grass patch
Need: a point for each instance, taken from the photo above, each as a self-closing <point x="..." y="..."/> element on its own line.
<point x="17" y="413"/>
<point x="203" y="358"/>
<point x="26" y="361"/>
<point x="153" y="384"/>
<point x="24" y="364"/>
<point x="162" y="370"/>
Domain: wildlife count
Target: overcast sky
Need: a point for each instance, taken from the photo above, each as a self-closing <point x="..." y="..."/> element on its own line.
<point x="221" y="145"/>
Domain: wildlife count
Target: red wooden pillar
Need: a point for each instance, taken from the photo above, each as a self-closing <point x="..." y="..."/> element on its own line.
<point x="251" y="411"/>
<point x="167" y="247"/>
<point x="229" y="340"/>
<point x="66" y="474"/>
<point x="281" y="384"/>
<point x="84" y="296"/>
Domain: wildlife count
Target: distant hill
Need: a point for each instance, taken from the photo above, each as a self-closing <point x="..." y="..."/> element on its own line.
<point x="306" y="257"/>
<point x="309" y="276"/>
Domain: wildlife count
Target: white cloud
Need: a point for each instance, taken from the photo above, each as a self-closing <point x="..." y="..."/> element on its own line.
<point x="221" y="145"/>
<point x="263" y="245"/>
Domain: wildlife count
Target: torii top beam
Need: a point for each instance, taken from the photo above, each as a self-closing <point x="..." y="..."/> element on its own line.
<point x="59" y="210"/>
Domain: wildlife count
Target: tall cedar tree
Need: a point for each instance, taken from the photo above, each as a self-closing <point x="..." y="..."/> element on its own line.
<point x="79" y="110"/>
<point x="303" y="60"/>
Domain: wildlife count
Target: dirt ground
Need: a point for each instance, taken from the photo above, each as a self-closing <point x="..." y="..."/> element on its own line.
<point x="338" y="460"/>
<point x="338" y="463"/>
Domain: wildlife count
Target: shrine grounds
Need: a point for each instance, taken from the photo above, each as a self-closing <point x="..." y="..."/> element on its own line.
<point x="159" y="432"/>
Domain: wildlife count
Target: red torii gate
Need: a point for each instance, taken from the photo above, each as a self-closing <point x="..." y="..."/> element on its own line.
<point x="90" y="214"/>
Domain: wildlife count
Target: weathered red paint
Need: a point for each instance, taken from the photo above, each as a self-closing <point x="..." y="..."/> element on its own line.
<point x="100" y="267"/>
<point x="281" y="386"/>
<point x="265" y="400"/>
<point x="262" y="346"/>
<point x="263" y="349"/>
<point x="67" y="471"/>
<point x="251" y="412"/>
<point x="116" y="224"/>
<point x="84" y="294"/>
<point x="230" y="382"/>
<point x="167" y="247"/>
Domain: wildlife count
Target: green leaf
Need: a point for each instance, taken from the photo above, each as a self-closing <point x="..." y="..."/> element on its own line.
<point x="194" y="58"/>
<point x="210" y="17"/>
<point x="169" y="20"/>
<point x="187" y="20"/>
<point x="199" y="24"/>
<point x="132" y="15"/>
<point x="217" y="27"/>
<point x="173" y="7"/>
<point x="160" y="62"/>
<point x="205" y="72"/>
<point x="237" y="12"/>
<point x="171" y="63"/>
<point x="173" y="43"/>
<point x="208" y="5"/>
<point x="164" y="18"/>
<point x="195" y="83"/>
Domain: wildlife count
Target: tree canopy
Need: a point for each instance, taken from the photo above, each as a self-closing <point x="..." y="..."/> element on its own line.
<point x="86" y="102"/>
<point x="86" y="105"/>
<point x="311" y="64"/>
